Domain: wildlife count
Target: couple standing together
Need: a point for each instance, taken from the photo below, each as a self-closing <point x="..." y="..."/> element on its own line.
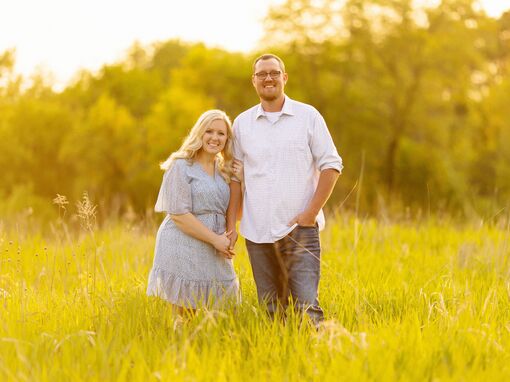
<point x="278" y="165"/>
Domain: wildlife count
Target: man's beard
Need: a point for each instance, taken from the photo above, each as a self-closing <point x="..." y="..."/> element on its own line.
<point x="269" y="97"/>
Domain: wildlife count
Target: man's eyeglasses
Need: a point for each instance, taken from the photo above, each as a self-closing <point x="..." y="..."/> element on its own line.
<point x="274" y="74"/>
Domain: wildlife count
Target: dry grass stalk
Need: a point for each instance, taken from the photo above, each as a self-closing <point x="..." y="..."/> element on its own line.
<point x="86" y="212"/>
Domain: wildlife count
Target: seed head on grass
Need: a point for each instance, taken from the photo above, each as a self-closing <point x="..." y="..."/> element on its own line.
<point x="86" y="212"/>
<point x="61" y="201"/>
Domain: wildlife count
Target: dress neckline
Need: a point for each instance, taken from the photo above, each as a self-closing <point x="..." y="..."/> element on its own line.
<point x="213" y="175"/>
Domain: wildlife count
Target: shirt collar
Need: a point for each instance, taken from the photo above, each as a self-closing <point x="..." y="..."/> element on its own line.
<point x="287" y="108"/>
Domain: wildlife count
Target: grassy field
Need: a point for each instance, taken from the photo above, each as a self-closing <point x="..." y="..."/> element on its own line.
<point x="408" y="301"/>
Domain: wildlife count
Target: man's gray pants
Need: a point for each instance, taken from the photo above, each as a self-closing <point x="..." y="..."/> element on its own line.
<point x="289" y="268"/>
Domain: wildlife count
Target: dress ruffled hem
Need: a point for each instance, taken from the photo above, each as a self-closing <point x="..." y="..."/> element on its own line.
<point x="192" y="293"/>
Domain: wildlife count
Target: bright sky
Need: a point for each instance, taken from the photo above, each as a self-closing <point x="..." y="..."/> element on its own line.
<point x="62" y="36"/>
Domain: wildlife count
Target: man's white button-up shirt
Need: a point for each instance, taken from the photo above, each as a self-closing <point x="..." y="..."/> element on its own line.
<point x="282" y="163"/>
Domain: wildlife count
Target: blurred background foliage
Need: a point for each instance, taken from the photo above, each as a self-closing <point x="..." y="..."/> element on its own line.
<point x="417" y="100"/>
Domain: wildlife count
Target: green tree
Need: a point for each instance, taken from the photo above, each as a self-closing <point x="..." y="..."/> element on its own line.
<point x="104" y="152"/>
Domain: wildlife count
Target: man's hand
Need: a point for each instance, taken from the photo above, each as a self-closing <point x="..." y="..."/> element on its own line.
<point x="233" y="239"/>
<point x="325" y="186"/>
<point x="304" y="219"/>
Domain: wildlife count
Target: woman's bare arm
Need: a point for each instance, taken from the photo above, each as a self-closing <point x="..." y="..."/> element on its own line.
<point x="193" y="227"/>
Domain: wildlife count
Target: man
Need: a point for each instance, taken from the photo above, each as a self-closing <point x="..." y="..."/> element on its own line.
<point x="290" y="169"/>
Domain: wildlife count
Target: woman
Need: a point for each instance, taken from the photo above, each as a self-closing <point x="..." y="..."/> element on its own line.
<point x="192" y="261"/>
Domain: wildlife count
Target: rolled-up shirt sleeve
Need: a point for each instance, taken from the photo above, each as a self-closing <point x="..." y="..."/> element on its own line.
<point x="175" y="193"/>
<point x="322" y="146"/>
<point x="236" y="147"/>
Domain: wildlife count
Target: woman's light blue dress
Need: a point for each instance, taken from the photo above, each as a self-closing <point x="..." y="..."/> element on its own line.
<point x="187" y="271"/>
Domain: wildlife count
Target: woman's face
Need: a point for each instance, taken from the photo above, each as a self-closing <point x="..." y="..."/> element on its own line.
<point x="215" y="137"/>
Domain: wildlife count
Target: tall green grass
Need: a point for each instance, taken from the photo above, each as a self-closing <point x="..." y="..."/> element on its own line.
<point x="403" y="301"/>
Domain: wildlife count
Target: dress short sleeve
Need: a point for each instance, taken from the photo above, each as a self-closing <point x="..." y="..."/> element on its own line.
<point x="175" y="192"/>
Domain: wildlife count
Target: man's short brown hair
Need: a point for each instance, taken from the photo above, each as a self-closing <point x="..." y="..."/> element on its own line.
<point x="268" y="56"/>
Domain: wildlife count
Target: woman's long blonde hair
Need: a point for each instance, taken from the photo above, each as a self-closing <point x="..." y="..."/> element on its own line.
<point x="193" y="143"/>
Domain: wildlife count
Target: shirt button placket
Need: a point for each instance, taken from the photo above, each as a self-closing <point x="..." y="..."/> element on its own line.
<point x="273" y="172"/>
